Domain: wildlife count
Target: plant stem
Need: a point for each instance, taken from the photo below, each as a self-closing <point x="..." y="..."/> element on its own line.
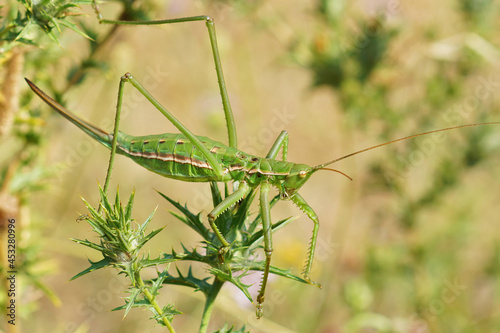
<point x="209" y="305"/>
<point x="152" y="300"/>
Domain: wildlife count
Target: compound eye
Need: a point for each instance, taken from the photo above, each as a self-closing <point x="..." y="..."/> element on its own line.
<point x="302" y="174"/>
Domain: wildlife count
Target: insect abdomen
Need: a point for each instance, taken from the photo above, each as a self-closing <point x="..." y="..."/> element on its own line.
<point x="170" y="155"/>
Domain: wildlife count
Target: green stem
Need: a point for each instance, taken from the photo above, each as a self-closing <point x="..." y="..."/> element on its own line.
<point x="152" y="300"/>
<point x="209" y="305"/>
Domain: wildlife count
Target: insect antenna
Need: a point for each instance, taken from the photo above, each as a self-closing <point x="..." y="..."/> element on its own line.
<point x="322" y="166"/>
<point x="334" y="170"/>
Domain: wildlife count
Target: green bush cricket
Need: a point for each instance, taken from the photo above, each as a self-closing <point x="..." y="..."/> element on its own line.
<point x="192" y="158"/>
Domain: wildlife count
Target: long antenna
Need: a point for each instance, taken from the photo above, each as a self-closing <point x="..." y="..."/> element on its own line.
<point x="402" y="139"/>
<point x="335" y="171"/>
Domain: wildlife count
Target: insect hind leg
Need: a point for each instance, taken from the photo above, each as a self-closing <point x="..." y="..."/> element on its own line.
<point x="209" y="22"/>
<point x="212" y="161"/>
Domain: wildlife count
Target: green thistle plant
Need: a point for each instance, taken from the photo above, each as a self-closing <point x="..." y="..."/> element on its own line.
<point x="122" y="241"/>
<point x="23" y="23"/>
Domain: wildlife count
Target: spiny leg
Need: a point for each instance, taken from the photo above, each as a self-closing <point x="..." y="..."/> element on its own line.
<point x="227" y="203"/>
<point x="303" y="206"/>
<point x="281" y="142"/>
<point x="115" y="137"/>
<point x="194" y="140"/>
<point x="231" y="127"/>
<point x="265" y="212"/>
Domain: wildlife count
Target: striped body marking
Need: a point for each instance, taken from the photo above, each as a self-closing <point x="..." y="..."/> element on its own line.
<point x="174" y="156"/>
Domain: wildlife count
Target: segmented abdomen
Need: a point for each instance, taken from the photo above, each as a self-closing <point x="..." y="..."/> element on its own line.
<point x="173" y="156"/>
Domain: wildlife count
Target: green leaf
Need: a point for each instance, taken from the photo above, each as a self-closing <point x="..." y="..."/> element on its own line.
<point x="193" y="221"/>
<point x="168" y="312"/>
<point x="224" y="220"/>
<point x="128" y="210"/>
<point x="24" y="31"/>
<point x="104" y="200"/>
<point x="93" y="267"/>
<point x="188" y="280"/>
<point x="163" y="259"/>
<point x="236" y="280"/>
<point x="243" y="211"/>
<point x="132" y="299"/>
<point x="143" y="226"/>
<point x="157" y="283"/>
<point x="131" y="302"/>
<point x="148" y="237"/>
<point x="89" y="244"/>
<point x="216" y="196"/>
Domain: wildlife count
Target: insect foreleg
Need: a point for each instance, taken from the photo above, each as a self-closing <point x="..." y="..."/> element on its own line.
<point x="281" y="142"/>
<point x="265" y="212"/>
<point x="212" y="161"/>
<point x="302" y="204"/>
<point x="225" y="204"/>
<point x="231" y="127"/>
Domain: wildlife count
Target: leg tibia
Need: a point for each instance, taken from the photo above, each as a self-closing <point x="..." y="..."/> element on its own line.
<point x="302" y="204"/>
<point x="228" y="113"/>
<point x="227" y="203"/>
<point x="265" y="212"/>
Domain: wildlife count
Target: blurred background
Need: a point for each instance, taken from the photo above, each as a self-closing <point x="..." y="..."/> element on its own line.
<point x="412" y="244"/>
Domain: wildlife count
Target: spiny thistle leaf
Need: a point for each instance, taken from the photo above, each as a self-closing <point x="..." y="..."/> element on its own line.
<point x="189" y="281"/>
<point x="225" y="220"/>
<point x="216" y="196"/>
<point x="89" y="244"/>
<point x="163" y="259"/>
<point x="128" y="207"/>
<point x="147" y="238"/>
<point x="93" y="267"/>
<point x="236" y="280"/>
<point x="143" y="226"/>
<point x="130" y="301"/>
<point x="242" y="212"/>
<point x="133" y="301"/>
<point x="74" y="27"/>
<point x="104" y="200"/>
<point x="191" y="220"/>
<point x="157" y="283"/>
<point x="168" y="312"/>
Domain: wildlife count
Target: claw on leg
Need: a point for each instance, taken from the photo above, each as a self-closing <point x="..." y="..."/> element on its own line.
<point x="223" y="250"/>
<point x="260" y="311"/>
<point x="311" y="282"/>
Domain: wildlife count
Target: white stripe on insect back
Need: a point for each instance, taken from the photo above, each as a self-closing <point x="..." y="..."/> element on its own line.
<point x="169" y="158"/>
<point x="197" y="163"/>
